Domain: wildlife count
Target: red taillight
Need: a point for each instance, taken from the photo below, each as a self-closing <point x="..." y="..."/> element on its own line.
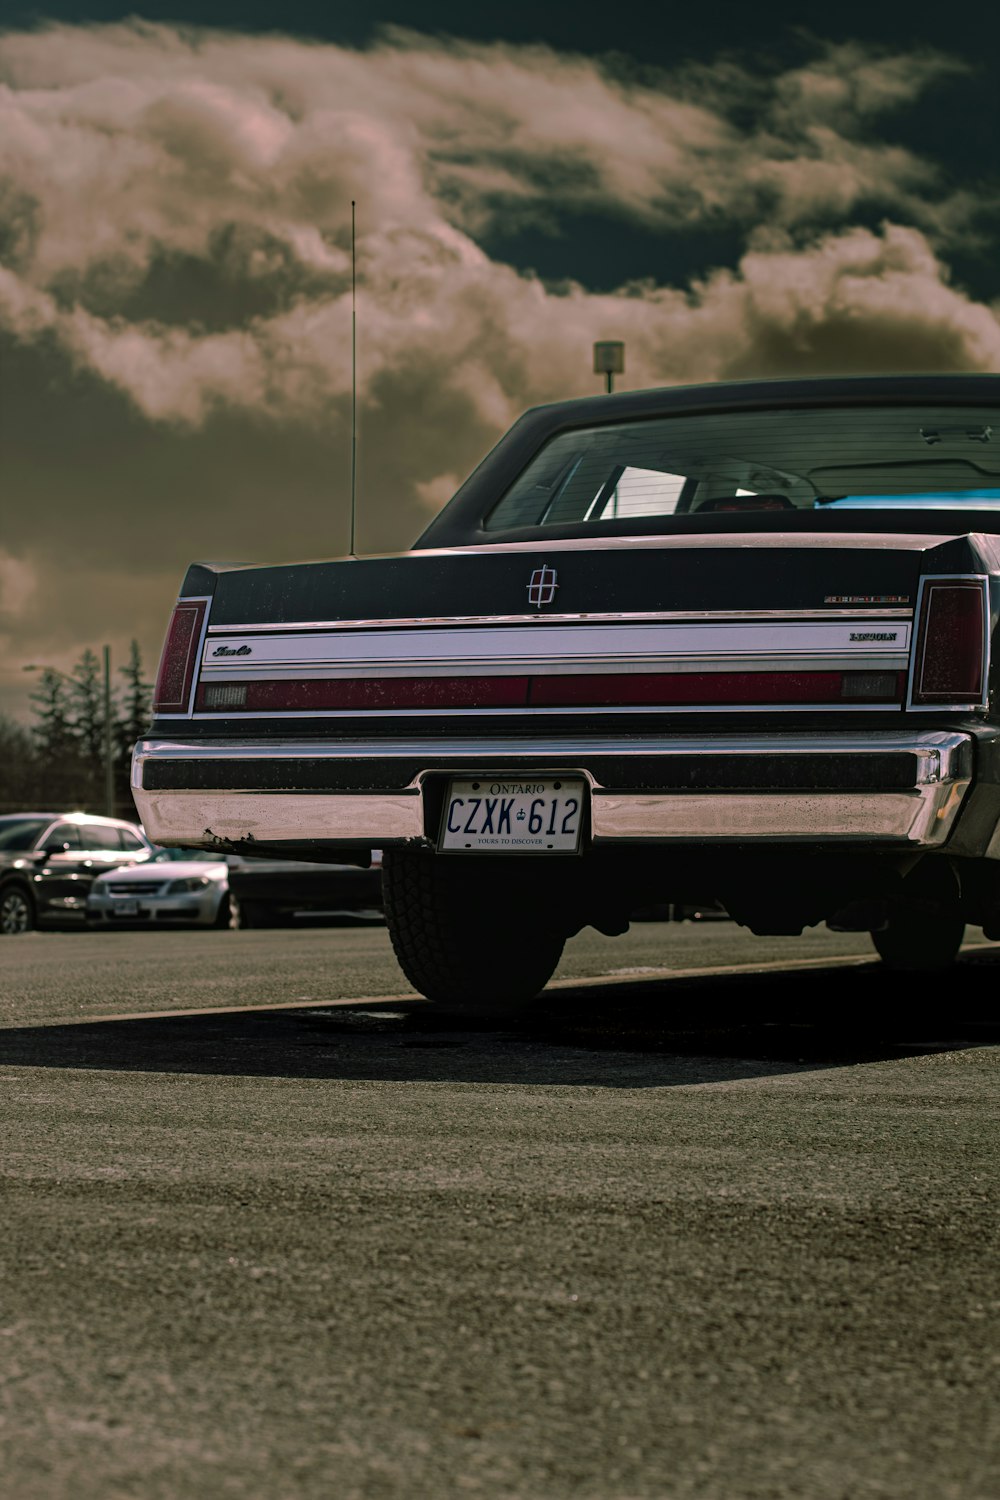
<point x="711" y="689"/>
<point x="172" y="693"/>
<point x="366" y="692"/>
<point x="951" y="636"/>
<point x="585" y="689"/>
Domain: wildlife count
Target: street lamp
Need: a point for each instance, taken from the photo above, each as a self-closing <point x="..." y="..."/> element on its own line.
<point x="609" y="360"/>
<point x="109" y="764"/>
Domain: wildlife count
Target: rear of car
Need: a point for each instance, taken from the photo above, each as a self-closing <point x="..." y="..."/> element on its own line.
<point x="731" y="640"/>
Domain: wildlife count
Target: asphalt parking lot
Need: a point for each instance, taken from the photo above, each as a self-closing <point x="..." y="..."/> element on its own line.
<point x="273" y="1230"/>
<point x="68" y="975"/>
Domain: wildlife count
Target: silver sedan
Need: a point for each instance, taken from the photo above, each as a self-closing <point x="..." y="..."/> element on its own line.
<point x="177" y="887"/>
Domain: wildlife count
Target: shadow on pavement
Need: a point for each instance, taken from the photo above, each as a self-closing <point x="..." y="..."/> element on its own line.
<point x="658" y="1033"/>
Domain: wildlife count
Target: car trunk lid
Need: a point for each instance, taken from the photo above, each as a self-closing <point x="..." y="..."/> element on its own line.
<point x="682" y="623"/>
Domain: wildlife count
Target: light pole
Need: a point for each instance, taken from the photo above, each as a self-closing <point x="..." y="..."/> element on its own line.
<point x="609" y="360"/>
<point x="109" y="767"/>
<point x="109" y="763"/>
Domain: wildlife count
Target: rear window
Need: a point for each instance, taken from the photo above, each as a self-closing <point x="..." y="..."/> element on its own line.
<point x="100" y="836"/>
<point x="868" y="457"/>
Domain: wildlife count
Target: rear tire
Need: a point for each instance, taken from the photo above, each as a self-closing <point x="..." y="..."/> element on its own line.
<point x="920" y="937"/>
<point x="469" y="933"/>
<point x="17" y="911"/>
<point x="228" y="914"/>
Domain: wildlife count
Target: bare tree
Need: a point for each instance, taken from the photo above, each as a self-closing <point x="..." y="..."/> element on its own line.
<point x="134" y="713"/>
<point x="88" y="708"/>
<point x="64" y="779"/>
<point x="65" y="746"/>
<point x="134" y="708"/>
<point x="20" y="767"/>
<point x="54" y="731"/>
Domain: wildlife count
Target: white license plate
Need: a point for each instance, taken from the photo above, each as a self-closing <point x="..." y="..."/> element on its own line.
<point x="513" y="816"/>
<point x="128" y="908"/>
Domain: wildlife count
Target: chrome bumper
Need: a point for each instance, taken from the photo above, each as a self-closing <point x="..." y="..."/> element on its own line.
<point x="921" y="815"/>
<point x="199" y="909"/>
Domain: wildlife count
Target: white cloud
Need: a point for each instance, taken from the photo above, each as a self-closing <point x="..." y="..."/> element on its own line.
<point x="18" y="582"/>
<point x="136" y="137"/>
<point x="179" y="209"/>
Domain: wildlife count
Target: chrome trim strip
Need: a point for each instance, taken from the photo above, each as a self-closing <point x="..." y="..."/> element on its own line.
<point x="920" y="818"/>
<point x="815" y="541"/>
<point x="944" y="752"/>
<point x="933" y="708"/>
<point x="199" y="652"/>
<point x="876" y="612"/>
<point x="195" y="678"/>
<point x="612" y="666"/>
<point x="923" y="817"/>
<point x="444" y="715"/>
<point x="513" y="647"/>
<point x="200" y="819"/>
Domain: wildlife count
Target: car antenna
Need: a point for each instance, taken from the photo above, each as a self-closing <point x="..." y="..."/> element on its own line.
<point x="354" y="384"/>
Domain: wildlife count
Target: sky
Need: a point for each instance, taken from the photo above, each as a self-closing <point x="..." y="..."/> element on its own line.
<point x="731" y="192"/>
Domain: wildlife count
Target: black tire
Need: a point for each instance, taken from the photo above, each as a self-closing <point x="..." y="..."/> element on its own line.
<point x="469" y="934"/>
<point x="17" y="911"/>
<point x="228" y="914"/>
<point x="920" y="937"/>
<point x="251" y="914"/>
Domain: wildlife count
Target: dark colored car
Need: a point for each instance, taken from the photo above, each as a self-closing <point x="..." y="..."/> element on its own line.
<point x="736" y="643"/>
<point x="48" y="861"/>
<point x="276" y="892"/>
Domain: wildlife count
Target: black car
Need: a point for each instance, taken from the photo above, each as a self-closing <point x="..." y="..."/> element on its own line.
<point x="49" y="859"/>
<point x="276" y="892"/>
<point x="736" y="643"/>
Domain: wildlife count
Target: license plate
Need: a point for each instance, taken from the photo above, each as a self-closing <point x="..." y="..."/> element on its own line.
<point x="126" y="908"/>
<point x="514" y="817"/>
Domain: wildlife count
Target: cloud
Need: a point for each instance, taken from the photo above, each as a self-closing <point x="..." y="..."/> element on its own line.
<point x="855" y="301"/>
<point x="17" y="585"/>
<point x="175" y="277"/>
<point x="173" y="132"/>
<point x="848" y="83"/>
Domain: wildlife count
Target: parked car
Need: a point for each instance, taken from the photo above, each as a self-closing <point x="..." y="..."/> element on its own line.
<point x="738" y="643"/>
<point x="199" y="888"/>
<point x="49" y="859"/>
<point x="277" y="892"/>
<point x="177" y="887"/>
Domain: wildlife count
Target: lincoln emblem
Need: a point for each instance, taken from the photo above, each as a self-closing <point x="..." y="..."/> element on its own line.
<point x="542" y="588"/>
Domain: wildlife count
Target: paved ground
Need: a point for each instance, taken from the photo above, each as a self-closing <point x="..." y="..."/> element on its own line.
<point x="62" y="975"/>
<point x="727" y="1238"/>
